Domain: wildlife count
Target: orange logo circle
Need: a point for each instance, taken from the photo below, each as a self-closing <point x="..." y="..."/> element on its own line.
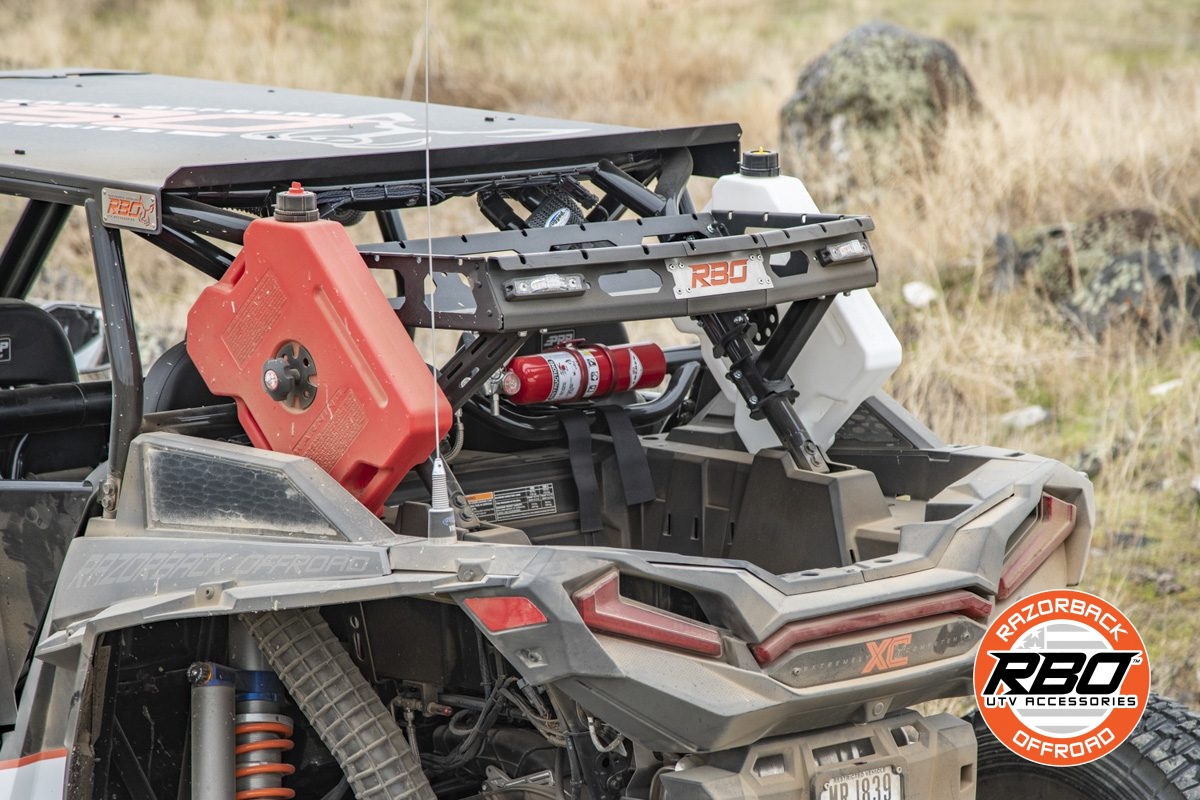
<point x="1062" y="677"/>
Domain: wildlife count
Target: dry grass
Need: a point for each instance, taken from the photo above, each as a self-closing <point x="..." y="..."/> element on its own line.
<point x="1090" y="107"/>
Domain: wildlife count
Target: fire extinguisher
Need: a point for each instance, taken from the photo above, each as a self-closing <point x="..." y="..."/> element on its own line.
<point x="569" y="372"/>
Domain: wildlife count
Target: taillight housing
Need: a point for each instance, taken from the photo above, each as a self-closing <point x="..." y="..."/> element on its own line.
<point x="1054" y="521"/>
<point x="504" y="613"/>
<point x="604" y="610"/>
<point x="866" y="619"/>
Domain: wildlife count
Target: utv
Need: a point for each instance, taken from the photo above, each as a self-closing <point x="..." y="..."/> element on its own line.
<point x="293" y="559"/>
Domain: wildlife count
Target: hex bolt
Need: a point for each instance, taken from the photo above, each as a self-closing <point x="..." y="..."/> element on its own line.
<point x="108" y="496"/>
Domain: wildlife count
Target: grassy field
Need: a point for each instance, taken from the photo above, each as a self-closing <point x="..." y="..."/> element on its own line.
<point x="1088" y="108"/>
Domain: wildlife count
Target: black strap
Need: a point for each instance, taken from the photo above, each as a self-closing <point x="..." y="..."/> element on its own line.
<point x="632" y="463"/>
<point x="579" y="446"/>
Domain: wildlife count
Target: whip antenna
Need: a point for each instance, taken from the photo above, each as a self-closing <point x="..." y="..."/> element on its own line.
<point x="441" y="516"/>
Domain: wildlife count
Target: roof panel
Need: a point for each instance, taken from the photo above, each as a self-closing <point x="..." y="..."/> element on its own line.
<point x="89" y="128"/>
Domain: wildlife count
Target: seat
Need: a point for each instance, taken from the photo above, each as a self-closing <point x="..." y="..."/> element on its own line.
<point x="173" y="382"/>
<point x="34" y="351"/>
<point x="33" y="347"/>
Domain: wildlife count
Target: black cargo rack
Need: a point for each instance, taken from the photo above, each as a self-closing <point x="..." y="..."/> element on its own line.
<point x="608" y="272"/>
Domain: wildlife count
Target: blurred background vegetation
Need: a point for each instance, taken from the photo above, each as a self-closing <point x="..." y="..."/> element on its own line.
<point x="1088" y="108"/>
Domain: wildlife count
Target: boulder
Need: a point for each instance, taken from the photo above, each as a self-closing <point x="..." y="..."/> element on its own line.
<point x="863" y="95"/>
<point x="1121" y="264"/>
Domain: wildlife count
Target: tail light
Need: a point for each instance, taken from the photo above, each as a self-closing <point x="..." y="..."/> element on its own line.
<point x="604" y="610"/>
<point x="1054" y="521"/>
<point x="505" y="613"/>
<point x="865" y="619"/>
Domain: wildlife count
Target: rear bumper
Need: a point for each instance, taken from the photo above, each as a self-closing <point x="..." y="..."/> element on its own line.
<point x="140" y="568"/>
<point x="934" y="758"/>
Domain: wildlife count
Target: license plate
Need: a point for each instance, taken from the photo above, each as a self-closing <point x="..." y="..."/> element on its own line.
<point x="882" y="783"/>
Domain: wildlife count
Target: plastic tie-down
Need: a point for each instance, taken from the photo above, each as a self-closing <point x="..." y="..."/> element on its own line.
<point x="363" y="407"/>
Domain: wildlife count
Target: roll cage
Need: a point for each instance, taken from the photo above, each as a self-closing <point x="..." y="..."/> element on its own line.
<point x="200" y="173"/>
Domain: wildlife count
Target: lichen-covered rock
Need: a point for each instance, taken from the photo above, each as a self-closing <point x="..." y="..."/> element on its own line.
<point x="861" y="96"/>
<point x="1122" y="264"/>
<point x="1158" y="290"/>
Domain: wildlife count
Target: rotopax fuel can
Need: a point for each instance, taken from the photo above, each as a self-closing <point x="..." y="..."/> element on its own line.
<point x="569" y="373"/>
<point x="299" y="333"/>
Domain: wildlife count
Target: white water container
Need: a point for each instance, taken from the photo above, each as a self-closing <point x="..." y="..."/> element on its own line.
<point x="852" y="352"/>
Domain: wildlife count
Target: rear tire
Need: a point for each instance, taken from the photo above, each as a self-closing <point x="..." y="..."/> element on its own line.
<point x="1160" y="760"/>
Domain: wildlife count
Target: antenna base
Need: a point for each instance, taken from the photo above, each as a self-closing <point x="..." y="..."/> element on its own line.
<point x="441" y="528"/>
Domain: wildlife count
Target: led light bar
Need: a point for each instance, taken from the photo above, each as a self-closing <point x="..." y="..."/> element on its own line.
<point x="843" y="252"/>
<point x="550" y="285"/>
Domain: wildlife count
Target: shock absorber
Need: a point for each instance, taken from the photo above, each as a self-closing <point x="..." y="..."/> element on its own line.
<point x="262" y="734"/>
<point x="212" y="730"/>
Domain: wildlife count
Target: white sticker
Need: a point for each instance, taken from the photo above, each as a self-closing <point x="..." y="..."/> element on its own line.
<point x="593" y="372"/>
<point x="516" y="503"/>
<point x="635" y="370"/>
<point x="735" y="272"/>
<point x="566" y="377"/>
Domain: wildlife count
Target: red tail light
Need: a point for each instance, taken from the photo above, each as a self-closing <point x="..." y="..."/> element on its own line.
<point x="1055" y="521"/>
<point x="603" y="609"/>
<point x="798" y="633"/>
<point x="505" y="613"/>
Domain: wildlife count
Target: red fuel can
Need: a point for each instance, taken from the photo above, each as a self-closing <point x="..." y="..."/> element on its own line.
<point x="299" y="333"/>
<point x="569" y="373"/>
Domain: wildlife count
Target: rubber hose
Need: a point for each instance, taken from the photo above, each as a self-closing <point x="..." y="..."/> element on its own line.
<point x="340" y="704"/>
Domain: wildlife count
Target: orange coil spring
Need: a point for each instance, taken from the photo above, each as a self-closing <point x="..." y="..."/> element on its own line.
<point x="272" y="749"/>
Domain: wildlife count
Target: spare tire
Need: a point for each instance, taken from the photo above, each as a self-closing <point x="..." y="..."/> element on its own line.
<point x="1160" y="760"/>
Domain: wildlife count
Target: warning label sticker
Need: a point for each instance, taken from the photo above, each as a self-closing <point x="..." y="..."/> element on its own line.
<point x="566" y="376"/>
<point x="516" y="503"/>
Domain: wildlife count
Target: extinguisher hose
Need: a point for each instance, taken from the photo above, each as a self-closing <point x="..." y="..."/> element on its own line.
<point x="340" y="704"/>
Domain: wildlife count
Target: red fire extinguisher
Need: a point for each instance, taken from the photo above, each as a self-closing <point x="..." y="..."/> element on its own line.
<point x="569" y="372"/>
